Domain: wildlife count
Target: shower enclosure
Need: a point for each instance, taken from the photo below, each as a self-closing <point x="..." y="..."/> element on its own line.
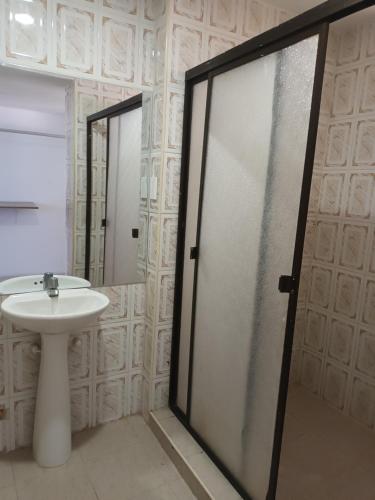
<point x="250" y="126"/>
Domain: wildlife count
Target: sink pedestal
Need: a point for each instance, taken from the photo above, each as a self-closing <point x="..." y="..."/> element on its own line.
<point x="52" y="427"/>
<point x="54" y="318"/>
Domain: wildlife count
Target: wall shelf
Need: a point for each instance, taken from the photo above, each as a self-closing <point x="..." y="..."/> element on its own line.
<point x="18" y="204"/>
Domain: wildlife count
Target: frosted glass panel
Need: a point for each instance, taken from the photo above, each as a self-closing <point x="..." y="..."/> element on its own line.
<point x="195" y="163"/>
<point x="255" y="158"/>
<point x="123" y="193"/>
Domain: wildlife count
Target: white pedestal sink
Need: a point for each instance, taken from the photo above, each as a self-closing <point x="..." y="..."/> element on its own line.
<point x="54" y="318"/>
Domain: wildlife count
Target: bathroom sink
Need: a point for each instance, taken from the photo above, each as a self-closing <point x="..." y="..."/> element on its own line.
<point x="71" y="310"/>
<point x="34" y="283"/>
<point x="55" y="318"/>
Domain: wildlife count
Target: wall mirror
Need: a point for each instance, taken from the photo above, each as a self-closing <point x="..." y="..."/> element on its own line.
<point x="54" y="178"/>
<point x="117" y="189"/>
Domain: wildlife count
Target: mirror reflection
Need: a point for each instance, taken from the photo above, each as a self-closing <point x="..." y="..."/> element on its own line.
<point x="73" y="189"/>
<point x="115" y="242"/>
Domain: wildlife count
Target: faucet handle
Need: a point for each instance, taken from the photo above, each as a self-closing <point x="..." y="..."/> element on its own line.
<point x="47" y="275"/>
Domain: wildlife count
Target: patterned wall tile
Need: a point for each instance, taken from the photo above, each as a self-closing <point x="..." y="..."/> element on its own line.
<point x="341" y="341"/>
<point x="335" y="386"/>
<point x="304" y="285"/>
<point x="327" y="92"/>
<point x="124" y="6"/>
<point x="156" y="126"/>
<point x="362" y="401"/>
<point x="338" y="142"/>
<point x="365" y="361"/>
<point x="23" y="409"/>
<point x="308" y="246"/>
<point x="147" y="358"/>
<point x="320" y="286"/>
<point x="160" y="393"/>
<point x="171" y="182"/>
<point x="186" y="51"/>
<point x="361" y="187"/>
<point x="168" y="241"/>
<point x="311" y="371"/>
<point x="254" y="18"/>
<point x="112" y="348"/>
<point x="315" y="330"/>
<point x="25" y="364"/>
<point x="153" y="241"/>
<point x="119" y="49"/>
<point x="299" y="328"/>
<point x="3" y="369"/>
<point x="192" y="9"/>
<point x="80" y="407"/>
<point x="166" y="296"/>
<point x="139" y="301"/>
<point x="330" y="194"/>
<point x="174" y="116"/>
<point x="154" y="9"/>
<point x="326" y="239"/>
<point x="223" y="14"/>
<point x="79" y="355"/>
<point x="353" y="246"/>
<point x="5" y="427"/>
<point x="163" y="350"/>
<point x="321" y="144"/>
<point x="136" y="393"/>
<point x="148" y="43"/>
<point x="316" y="182"/>
<point x="76" y="38"/>
<point x="137" y="344"/>
<point x="368" y="315"/>
<point x="364" y="153"/>
<point x="344" y="92"/>
<point x="346" y="294"/>
<point x="119" y="306"/>
<point x="370" y="40"/>
<point x="368" y="89"/>
<point x="111" y="399"/>
<point x="350" y="46"/>
<point x="151" y="290"/>
<point x="218" y="44"/>
<point x="26" y="41"/>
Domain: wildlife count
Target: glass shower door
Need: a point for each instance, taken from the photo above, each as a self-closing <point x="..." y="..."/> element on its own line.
<point x="253" y="169"/>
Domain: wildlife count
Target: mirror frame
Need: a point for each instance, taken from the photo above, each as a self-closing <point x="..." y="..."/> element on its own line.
<point x="116" y="110"/>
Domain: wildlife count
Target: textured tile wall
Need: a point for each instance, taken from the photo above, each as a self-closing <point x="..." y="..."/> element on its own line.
<point x="335" y="338"/>
<point x="107" y="40"/>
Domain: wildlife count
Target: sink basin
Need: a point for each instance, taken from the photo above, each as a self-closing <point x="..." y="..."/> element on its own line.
<point x="34" y="283"/>
<point x="54" y="318"/>
<point x="71" y="310"/>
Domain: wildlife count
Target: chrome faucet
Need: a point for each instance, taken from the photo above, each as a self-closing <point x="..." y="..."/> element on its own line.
<point x="51" y="285"/>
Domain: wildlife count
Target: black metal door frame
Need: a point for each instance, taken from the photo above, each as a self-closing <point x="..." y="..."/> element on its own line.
<point x="107" y="113"/>
<point x="314" y="21"/>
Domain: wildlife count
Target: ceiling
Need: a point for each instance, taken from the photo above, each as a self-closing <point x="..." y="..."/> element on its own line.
<point x="27" y="90"/>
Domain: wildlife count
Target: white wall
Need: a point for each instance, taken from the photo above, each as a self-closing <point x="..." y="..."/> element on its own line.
<point x="33" y="168"/>
<point x="32" y="120"/>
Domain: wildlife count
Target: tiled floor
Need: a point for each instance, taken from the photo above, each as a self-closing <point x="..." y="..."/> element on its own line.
<point x="213" y="484"/>
<point x="325" y="455"/>
<point x="118" y="461"/>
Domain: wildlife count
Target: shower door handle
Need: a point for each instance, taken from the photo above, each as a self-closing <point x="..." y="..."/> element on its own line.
<point x="287" y="284"/>
<point x="193" y="253"/>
